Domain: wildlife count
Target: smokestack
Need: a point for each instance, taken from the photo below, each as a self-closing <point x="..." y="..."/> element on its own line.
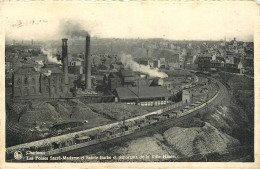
<point x="65" y="60"/>
<point x="87" y="64"/>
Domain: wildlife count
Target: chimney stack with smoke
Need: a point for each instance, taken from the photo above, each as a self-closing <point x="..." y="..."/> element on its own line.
<point x="65" y="60"/>
<point x="87" y="64"/>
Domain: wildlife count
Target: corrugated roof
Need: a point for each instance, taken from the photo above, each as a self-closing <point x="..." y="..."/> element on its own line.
<point x="125" y="93"/>
<point x="144" y="92"/>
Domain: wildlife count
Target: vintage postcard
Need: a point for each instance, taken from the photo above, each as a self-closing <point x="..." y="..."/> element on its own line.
<point x="129" y="84"/>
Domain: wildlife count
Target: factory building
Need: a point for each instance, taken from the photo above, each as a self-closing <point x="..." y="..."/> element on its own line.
<point x="114" y="81"/>
<point x="29" y="82"/>
<point x="42" y="81"/>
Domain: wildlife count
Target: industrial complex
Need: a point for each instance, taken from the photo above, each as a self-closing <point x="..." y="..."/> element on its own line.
<point x="71" y="99"/>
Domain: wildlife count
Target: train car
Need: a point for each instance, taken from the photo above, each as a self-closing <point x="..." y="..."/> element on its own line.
<point x="179" y="112"/>
<point x="166" y="115"/>
<point x="193" y="105"/>
<point x="118" y="130"/>
<point x="141" y="125"/>
<point x="152" y="121"/>
<point x="129" y="124"/>
<point x="134" y="127"/>
<point x="102" y="135"/>
<point x="173" y="114"/>
<point x="83" y="139"/>
<point x="156" y="118"/>
<point x="163" y="116"/>
<point x="149" y="117"/>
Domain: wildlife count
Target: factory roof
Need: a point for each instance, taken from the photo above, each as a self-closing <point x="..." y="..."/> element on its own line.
<point x="125" y="93"/>
<point x="142" y="92"/>
<point x="26" y="69"/>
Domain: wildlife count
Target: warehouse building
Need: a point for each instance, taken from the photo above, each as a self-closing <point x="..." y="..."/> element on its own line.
<point x="144" y="96"/>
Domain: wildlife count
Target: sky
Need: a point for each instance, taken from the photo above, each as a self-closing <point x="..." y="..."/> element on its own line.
<point x="169" y="20"/>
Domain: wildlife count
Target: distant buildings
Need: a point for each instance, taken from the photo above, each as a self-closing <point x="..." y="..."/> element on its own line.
<point x="109" y="74"/>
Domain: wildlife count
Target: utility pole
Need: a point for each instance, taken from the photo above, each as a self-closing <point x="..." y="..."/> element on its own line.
<point x="123" y="128"/>
<point x="206" y="107"/>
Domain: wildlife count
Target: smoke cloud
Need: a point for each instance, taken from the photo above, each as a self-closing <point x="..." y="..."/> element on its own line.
<point x="38" y="65"/>
<point x="128" y="62"/>
<point x="72" y="29"/>
<point x="49" y="52"/>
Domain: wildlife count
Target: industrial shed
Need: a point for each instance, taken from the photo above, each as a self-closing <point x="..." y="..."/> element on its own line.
<point x="144" y="96"/>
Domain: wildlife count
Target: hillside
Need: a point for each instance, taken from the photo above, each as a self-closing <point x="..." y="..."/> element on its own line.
<point x="34" y="120"/>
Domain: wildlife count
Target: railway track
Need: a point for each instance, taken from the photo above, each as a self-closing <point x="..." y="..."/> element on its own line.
<point x="149" y="129"/>
<point x="158" y="127"/>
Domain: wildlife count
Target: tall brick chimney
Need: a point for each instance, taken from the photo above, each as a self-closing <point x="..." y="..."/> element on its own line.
<point x="87" y="64"/>
<point x="65" y="60"/>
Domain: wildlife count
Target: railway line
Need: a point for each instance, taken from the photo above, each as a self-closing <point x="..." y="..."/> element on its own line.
<point x="141" y="126"/>
<point x="147" y="130"/>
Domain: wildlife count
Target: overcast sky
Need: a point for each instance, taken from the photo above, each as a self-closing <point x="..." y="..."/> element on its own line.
<point x="177" y="21"/>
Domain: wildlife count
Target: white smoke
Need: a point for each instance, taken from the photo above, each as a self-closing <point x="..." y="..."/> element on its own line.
<point x="128" y="62"/>
<point x="38" y="65"/>
<point x="49" y="52"/>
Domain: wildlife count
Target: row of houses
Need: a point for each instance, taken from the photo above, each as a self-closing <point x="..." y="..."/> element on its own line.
<point x="230" y="63"/>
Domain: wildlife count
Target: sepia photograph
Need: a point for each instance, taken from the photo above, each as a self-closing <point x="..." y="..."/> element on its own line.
<point x="128" y="82"/>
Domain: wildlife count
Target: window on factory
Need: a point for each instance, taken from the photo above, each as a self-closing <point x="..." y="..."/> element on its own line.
<point x="25" y="80"/>
<point x="33" y="91"/>
<point x="33" y="81"/>
<point x="46" y="81"/>
<point x="18" y="81"/>
<point x="47" y="89"/>
<point x="26" y="91"/>
<point x="53" y="80"/>
<point x="61" y="89"/>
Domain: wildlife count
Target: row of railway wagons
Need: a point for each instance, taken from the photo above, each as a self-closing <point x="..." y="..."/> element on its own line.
<point x="114" y="131"/>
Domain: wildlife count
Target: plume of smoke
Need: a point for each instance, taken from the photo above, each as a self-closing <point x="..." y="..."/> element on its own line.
<point x="38" y="65"/>
<point x="49" y="52"/>
<point x="128" y="62"/>
<point x="72" y="29"/>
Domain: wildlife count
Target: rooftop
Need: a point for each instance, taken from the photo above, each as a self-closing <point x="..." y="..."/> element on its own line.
<point x="142" y="92"/>
<point x="26" y="69"/>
